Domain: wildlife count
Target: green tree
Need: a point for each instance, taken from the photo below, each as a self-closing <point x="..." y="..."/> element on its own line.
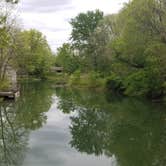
<point x="8" y="33"/>
<point x="67" y="59"/>
<point x="83" y="26"/>
<point x="99" y="40"/>
<point x="34" y="55"/>
<point x="137" y="58"/>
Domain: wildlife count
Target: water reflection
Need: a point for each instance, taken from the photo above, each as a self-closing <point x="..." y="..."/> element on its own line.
<point x="35" y="101"/>
<point x="132" y="131"/>
<point x="18" y="118"/>
<point x="129" y="132"/>
<point x="13" y="137"/>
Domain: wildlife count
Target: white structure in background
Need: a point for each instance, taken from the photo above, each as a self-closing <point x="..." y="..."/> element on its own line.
<point x="13" y="91"/>
<point x="11" y="76"/>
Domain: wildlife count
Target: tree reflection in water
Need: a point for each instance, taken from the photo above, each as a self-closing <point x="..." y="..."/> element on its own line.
<point x="133" y="131"/>
<point x="18" y="118"/>
<point x="13" y="137"/>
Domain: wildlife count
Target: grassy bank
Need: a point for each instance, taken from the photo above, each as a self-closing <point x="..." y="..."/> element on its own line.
<point x="89" y="80"/>
<point x="78" y="80"/>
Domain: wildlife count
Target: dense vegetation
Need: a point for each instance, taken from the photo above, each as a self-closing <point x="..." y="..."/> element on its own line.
<point x="35" y="56"/>
<point x="26" y="51"/>
<point x="124" y="52"/>
<point x="127" y="50"/>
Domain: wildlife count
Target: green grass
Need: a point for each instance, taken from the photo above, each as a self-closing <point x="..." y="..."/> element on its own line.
<point x="60" y="78"/>
<point x="89" y="80"/>
<point x="76" y="80"/>
<point x="4" y="85"/>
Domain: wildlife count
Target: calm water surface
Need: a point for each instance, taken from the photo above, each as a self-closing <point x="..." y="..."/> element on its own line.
<point x="48" y="126"/>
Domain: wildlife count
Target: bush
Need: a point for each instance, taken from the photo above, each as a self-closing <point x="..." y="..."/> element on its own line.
<point x="75" y="77"/>
<point x="90" y="80"/>
<point x="155" y="83"/>
<point x="95" y="80"/>
<point x="57" y="78"/>
<point x="144" y="82"/>
<point x="136" y="84"/>
<point x="114" y="83"/>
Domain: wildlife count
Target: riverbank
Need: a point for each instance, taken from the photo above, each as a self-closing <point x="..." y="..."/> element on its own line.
<point x="92" y="80"/>
<point x="96" y="81"/>
<point x="77" y="80"/>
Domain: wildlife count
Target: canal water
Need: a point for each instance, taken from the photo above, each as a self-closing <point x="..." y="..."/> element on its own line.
<point x="49" y="126"/>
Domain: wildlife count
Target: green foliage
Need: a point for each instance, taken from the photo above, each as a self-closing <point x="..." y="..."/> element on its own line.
<point x="83" y="26"/>
<point x="7" y="44"/>
<point x="128" y="49"/>
<point x="136" y="84"/>
<point x="25" y="51"/>
<point x="114" y="83"/>
<point x="67" y="59"/>
<point x="130" y="44"/>
<point x="95" y="80"/>
<point x="140" y="46"/>
<point x="131" y="130"/>
<point x="75" y="77"/>
<point x="98" y="52"/>
<point x="89" y="80"/>
<point x="57" y="79"/>
<point x="4" y="84"/>
<point x="34" y="55"/>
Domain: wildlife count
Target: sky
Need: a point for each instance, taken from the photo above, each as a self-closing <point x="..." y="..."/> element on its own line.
<point x="52" y="17"/>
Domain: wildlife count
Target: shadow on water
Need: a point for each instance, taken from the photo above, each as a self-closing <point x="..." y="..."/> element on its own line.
<point x="134" y="131"/>
<point x="18" y="118"/>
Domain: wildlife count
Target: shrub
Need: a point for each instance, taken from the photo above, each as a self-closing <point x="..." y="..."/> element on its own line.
<point x="114" y="83"/>
<point x="144" y="82"/>
<point x="75" y="77"/>
<point x="136" y="84"/>
<point x="90" y="80"/>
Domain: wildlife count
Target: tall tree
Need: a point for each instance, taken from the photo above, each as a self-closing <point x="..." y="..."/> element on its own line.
<point x="7" y="38"/>
<point x="83" y="26"/>
<point x="140" y="45"/>
<point x="98" y="48"/>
